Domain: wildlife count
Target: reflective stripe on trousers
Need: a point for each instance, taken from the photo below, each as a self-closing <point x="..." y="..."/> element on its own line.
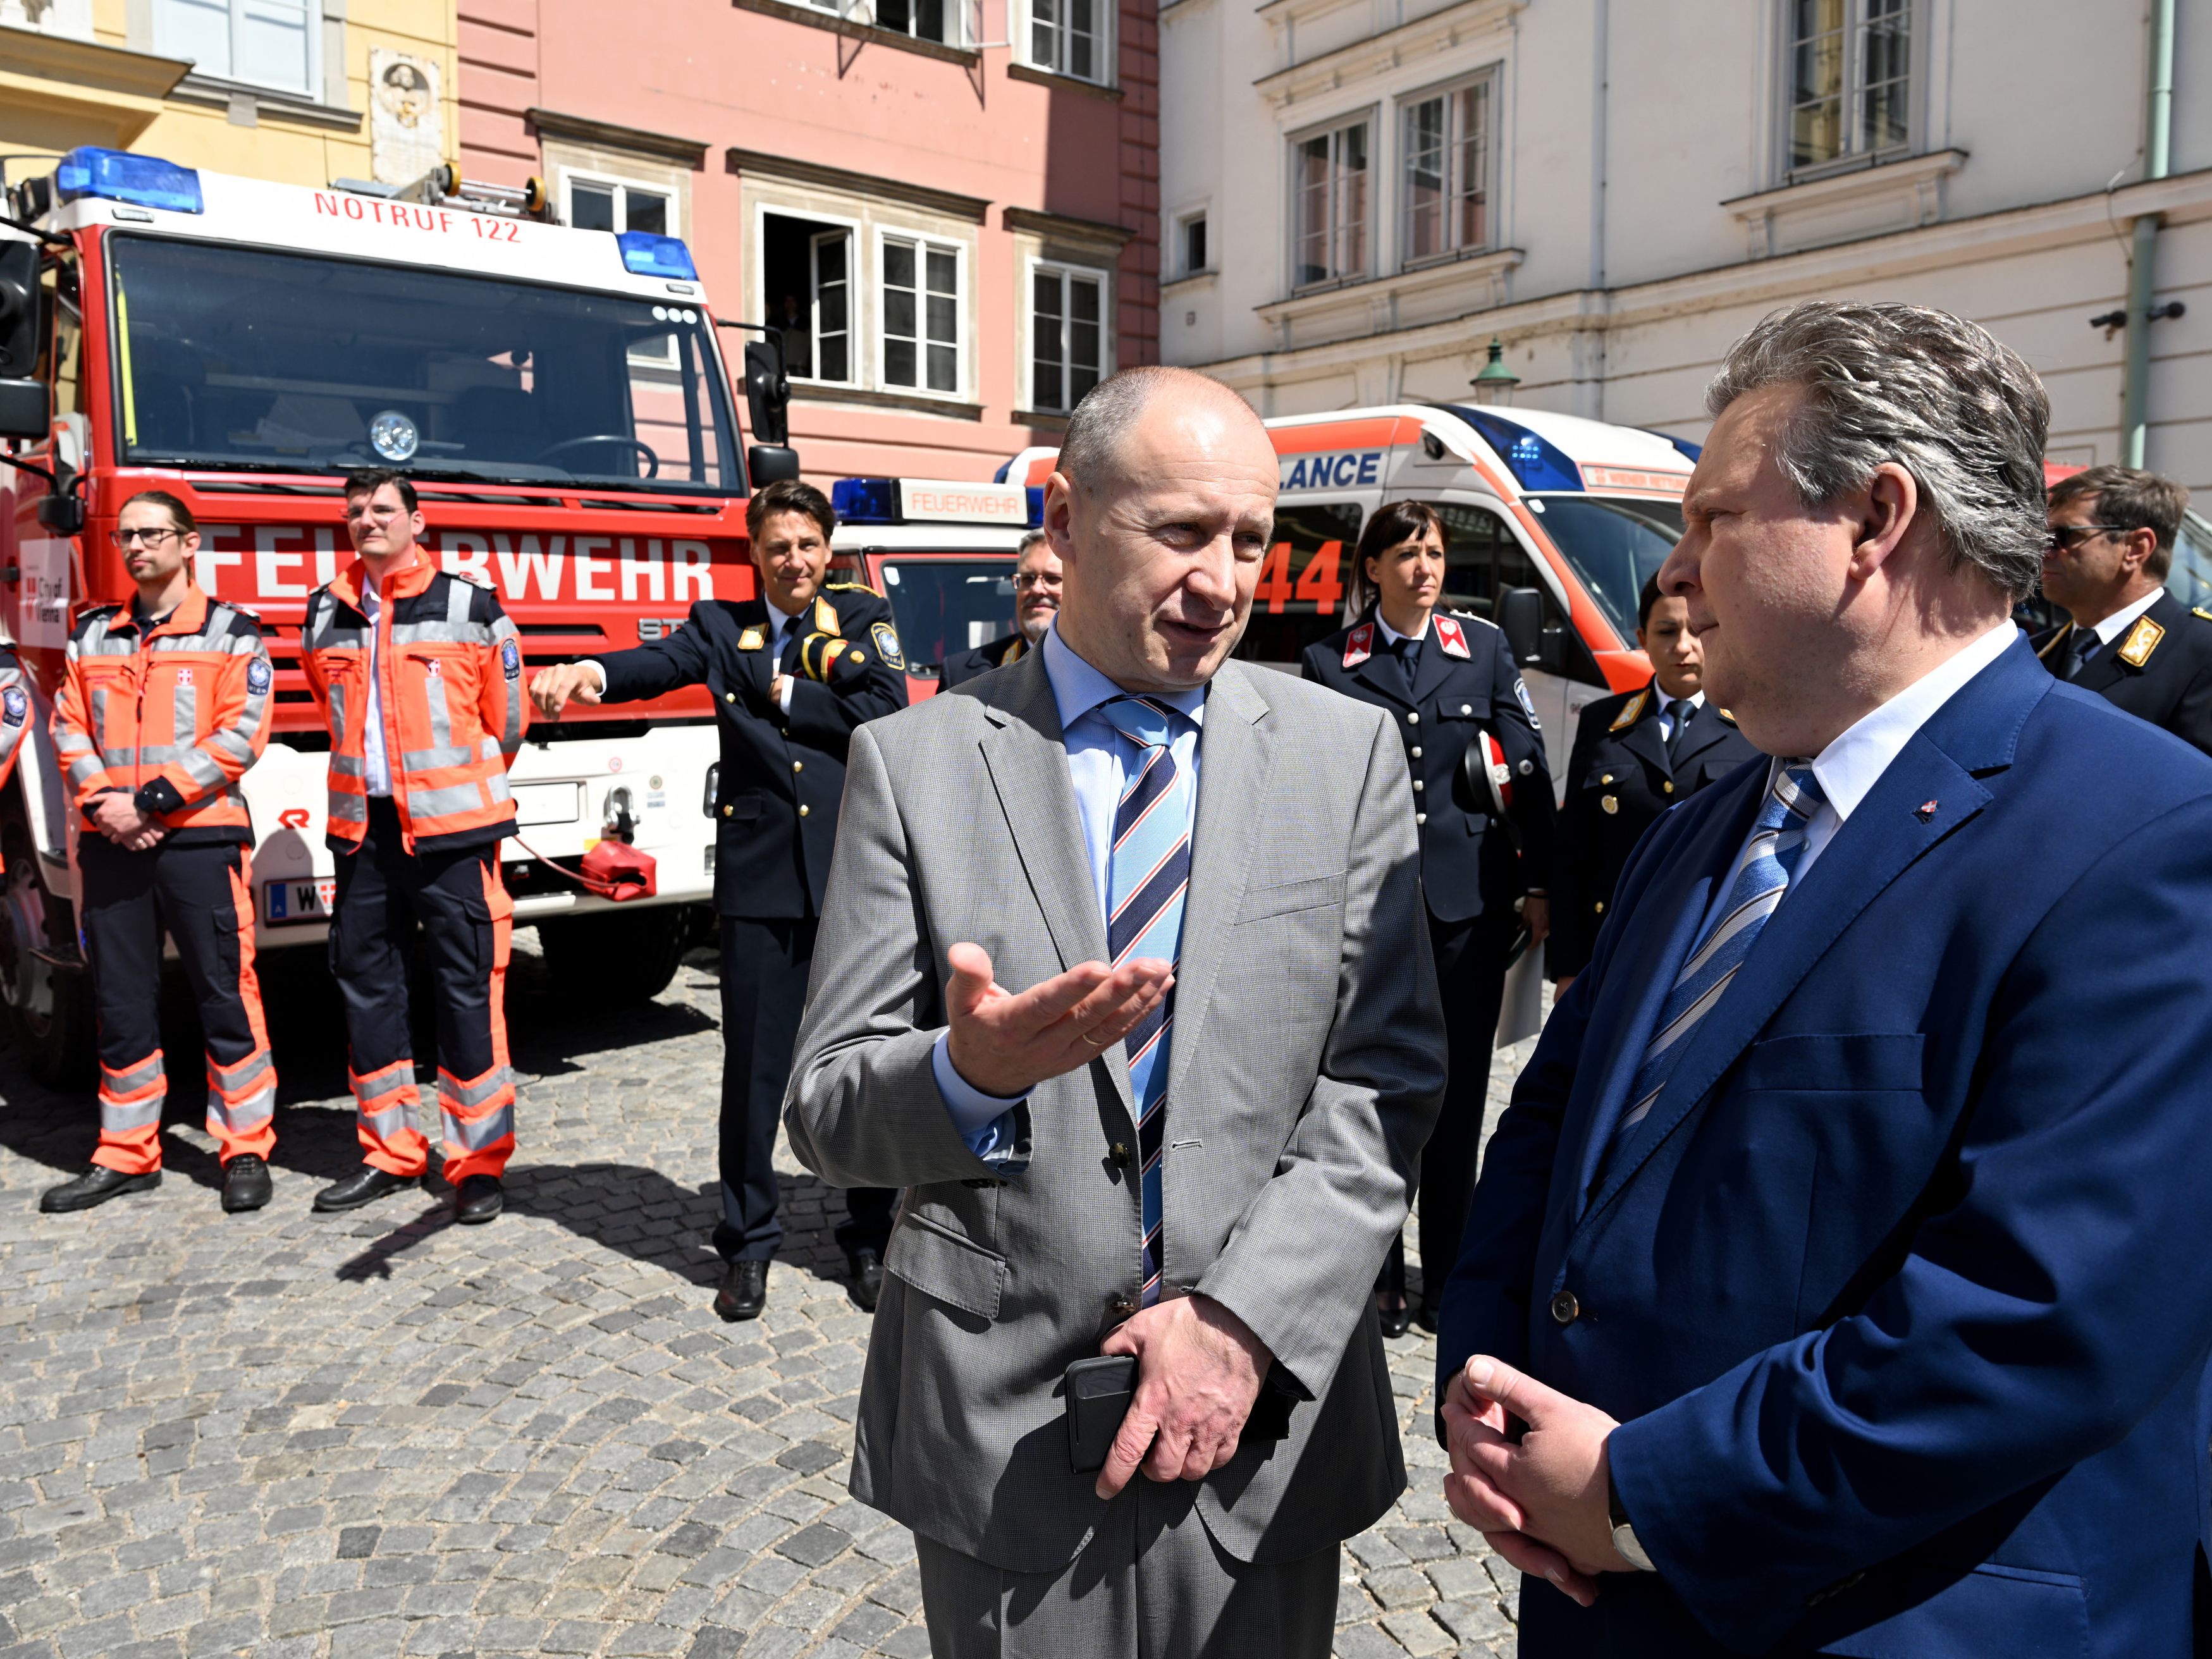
<point x="130" y="1115"/>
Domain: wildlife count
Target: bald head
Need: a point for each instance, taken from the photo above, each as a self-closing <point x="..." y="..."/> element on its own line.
<point x="1159" y="511"/>
<point x="1100" y="428"/>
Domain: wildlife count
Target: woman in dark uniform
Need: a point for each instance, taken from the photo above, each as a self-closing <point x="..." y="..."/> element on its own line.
<point x="1443" y="676"/>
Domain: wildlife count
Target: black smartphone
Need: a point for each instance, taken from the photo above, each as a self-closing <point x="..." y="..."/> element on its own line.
<point x="1098" y="1392"/>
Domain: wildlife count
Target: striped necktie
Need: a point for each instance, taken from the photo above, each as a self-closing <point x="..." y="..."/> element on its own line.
<point x="1762" y="877"/>
<point x="1147" y="879"/>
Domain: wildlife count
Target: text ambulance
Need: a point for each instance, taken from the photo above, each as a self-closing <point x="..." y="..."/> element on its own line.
<point x="559" y="399"/>
<point x="1574" y="515"/>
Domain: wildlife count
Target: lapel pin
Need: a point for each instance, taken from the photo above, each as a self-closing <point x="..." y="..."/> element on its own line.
<point x="1924" y="811"/>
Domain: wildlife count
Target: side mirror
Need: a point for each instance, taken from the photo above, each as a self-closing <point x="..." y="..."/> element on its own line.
<point x="768" y="464"/>
<point x="21" y="312"/>
<point x="768" y="393"/>
<point x="26" y="409"/>
<point x="63" y="512"/>
<point x="1521" y="614"/>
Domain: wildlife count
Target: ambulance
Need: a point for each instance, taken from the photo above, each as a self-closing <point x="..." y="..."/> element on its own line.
<point x="1555" y="523"/>
<point x="560" y="399"/>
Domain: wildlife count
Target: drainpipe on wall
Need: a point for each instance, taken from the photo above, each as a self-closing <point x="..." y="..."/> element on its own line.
<point x="2158" y="125"/>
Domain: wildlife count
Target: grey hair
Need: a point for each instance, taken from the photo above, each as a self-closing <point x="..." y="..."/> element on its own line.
<point x="1030" y="539"/>
<point x="1108" y="412"/>
<point x="1934" y="393"/>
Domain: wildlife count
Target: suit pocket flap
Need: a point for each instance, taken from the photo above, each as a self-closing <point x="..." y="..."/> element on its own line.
<point x="1310" y="894"/>
<point x="941" y="1264"/>
<point x="1859" y="1062"/>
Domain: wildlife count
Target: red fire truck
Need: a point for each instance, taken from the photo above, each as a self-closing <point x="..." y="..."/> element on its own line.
<point x="560" y="399"/>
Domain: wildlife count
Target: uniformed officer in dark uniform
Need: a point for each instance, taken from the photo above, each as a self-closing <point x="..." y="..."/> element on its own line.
<point x="791" y="673"/>
<point x="2113" y="530"/>
<point x="1036" y="602"/>
<point x="1444" y="677"/>
<point x="1635" y="754"/>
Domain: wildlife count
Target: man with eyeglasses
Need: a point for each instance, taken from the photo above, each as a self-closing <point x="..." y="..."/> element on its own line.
<point x="165" y="703"/>
<point x="2112" y="531"/>
<point x="1036" y="602"/>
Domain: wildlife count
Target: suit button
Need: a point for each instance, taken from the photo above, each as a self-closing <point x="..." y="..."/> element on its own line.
<point x="1564" y="1308"/>
<point x="1413" y="718"/>
<point x="802" y="812"/>
<point x="1418" y="785"/>
<point x="1598" y="907"/>
<point x="1667" y="785"/>
<point x="1607" y="778"/>
<point x="1420" y="818"/>
<point x="1415" y="751"/>
<point x="729" y="696"/>
<point x="799" y="765"/>
<point x="1122" y="1153"/>
<point x="1121" y="1307"/>
<point x="1467" y="708"/>
<point x="727" y="810"/>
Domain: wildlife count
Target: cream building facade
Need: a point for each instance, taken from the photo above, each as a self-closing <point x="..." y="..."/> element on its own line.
<point x="1358" y="194"/>
<point x="301" y="91"/>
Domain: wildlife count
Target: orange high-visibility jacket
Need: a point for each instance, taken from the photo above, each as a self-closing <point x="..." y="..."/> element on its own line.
<point x="449" y="672"/>
<point x="14" y="710"/>
<point x="171" y="714"/>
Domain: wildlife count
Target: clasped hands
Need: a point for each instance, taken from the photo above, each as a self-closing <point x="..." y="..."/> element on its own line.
<point x="1541" y="1501"/>
<point x="116" y="817"/>
<point x="1199" y="1367"/>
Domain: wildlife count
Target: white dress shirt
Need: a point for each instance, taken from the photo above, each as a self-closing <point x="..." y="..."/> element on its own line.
<point x="1097" y="766"/>
<point x="1851" y="766"/>
<point x="1391" y="635"/>
<point x="375" y="764"/>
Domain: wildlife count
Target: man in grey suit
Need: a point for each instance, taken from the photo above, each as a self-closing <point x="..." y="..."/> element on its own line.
<point x="1193" y="1135"/>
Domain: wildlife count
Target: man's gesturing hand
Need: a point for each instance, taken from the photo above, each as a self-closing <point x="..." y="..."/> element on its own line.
<point x="1199" y="1368"/>
<point x="1541" y="1503"/>
<point x="1006" y="1042"/>
<point x="551" y="688"/>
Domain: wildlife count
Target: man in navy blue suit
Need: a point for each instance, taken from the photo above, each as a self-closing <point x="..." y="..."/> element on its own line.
<point x="1840" y="1279"/>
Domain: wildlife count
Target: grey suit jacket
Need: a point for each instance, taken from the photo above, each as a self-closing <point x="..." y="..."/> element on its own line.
<point x="1304" y="1075"/>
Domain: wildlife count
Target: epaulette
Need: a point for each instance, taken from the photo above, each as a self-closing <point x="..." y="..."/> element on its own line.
<point x="97" y="613"/>
<point x="473" y="581"/>
<point x="2141" y="640"/>
<point x="1631" y="711"/>
<point x="850" y="588"/>
<point x="1469" y="617"/>
<point x="238" y="610"/>
<point x="2199" y="611"/>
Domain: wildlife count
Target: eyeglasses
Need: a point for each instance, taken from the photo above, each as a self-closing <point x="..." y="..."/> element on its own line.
<point x="152" y="538"/>
<point x="2062" y="538"/>
<point x="1037" y="579"/>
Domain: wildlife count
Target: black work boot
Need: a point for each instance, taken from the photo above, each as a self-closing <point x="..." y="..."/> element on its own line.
<point x="244" y="1183"/>
<point x="95" y="1186"/>
<point x="364" y="1186"/>
<point x="478" y="1199"/>
<point x="743" y="1292"/>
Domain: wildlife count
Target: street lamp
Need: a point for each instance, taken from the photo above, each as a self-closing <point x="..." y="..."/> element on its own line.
<point x="1495" y="384"/>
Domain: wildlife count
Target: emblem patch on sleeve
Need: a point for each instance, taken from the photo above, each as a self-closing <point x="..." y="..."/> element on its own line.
<point x="257" y="676"/>
<point x="887" y="644"/>
<point x="510" y="660"/>
<point x="15" y="707"/>
<point x="1528" y="703"/>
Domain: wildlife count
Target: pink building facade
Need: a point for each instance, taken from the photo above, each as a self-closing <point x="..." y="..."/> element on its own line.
<point x="950" y="206"/>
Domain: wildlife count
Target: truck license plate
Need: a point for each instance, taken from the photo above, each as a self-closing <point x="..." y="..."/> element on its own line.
<point x="286" y="902"/>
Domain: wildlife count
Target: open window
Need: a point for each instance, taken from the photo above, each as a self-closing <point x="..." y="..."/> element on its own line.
<point x="806" y="269"/>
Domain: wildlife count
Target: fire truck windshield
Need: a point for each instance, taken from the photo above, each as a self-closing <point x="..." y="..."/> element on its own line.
<point x="947" y="606"/>
<point x="1615" y="545"/>
<point x="232" y="357"/>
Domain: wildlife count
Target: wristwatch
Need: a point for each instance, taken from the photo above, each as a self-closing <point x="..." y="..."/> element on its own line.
<point x="1623" y="1535"/>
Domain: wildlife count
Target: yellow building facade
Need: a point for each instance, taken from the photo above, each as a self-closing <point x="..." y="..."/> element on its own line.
<point x="300" y="91"/>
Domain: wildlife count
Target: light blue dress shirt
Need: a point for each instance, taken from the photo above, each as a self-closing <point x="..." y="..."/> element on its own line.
<point x="1097" y="765"/>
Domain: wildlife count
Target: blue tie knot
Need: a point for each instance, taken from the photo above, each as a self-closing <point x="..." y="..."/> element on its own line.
<point x="1795" y="796"/>
<point x="1141" y="719"/>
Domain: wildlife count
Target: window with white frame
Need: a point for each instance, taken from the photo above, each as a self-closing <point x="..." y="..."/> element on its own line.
<point x="271" y="43"/>
<point x="923" y="20"/>
<point x="600" y="201"/>
<point x="1329" y="173"/>
<point x="807" y="292"/>
<point x="1067" y="37"/>
<point x="920" y="314"/>
<point x="1445" y="186"/>
<point x="1067" y="334"/>
<point x="1850" y="80"/>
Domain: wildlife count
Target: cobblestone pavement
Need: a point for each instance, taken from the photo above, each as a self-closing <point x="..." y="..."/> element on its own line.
<point x="377" y="1434"/>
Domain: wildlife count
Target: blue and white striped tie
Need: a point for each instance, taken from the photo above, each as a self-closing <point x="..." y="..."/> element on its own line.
<point x="1146" y="880"/>
<point x="1762" y="877"/>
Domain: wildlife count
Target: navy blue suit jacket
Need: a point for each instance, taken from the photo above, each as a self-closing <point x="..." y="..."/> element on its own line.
<point x="1904" y="1293"/>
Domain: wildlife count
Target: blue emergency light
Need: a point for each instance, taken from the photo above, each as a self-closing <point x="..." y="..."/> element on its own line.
<point x="1538" y="464"/>
<point x="645" y="254"/>
<point x="115" y="175"/>
<point x="865" y="501"/>
<point x="1682" y="445"/>
<point x="1035" y="496"/>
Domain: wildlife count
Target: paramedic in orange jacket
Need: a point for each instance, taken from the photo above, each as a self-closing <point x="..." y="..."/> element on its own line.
<point x="164" y="704"/>
<point x="418" y="673"/>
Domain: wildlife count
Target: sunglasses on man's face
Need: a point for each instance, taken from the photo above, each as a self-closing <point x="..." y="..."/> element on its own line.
<point x="2065" y="537"/>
